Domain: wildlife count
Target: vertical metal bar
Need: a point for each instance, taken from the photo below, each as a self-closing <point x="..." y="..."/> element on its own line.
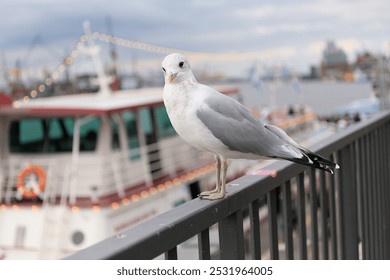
<point x="348" y="205"/>
<point x="301" y="217"/>
<point x="384" y="191"/>
<point x="387" y="188"/>
<point x="384" y="160"/>
<point x="377" y="198"/>
<point x="380" y="196"/>
<point x="171" y="254"/>
<point x="332" y="215"/>
<point x="204" y="245"/>
<point x="273" y="223"/>
<point x="357" y="159"/>
<point x="313" y="215"/>
<point x="363" y="196"/>
<point x="381" y="172"/>
<point x="369" y="197"/>
<point x="231" y="237"/>
<point x="324" y="216"/>
<point x="254" y="219"/>
<point x="375" y="193"/>
<point x="382" y="203"/>
<point x="287" y="221"/>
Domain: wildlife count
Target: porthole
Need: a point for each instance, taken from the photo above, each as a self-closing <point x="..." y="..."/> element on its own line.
<point x="77" y="237"/>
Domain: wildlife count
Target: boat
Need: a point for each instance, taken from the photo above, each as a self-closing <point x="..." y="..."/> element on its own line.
<point x="76" y="169"/>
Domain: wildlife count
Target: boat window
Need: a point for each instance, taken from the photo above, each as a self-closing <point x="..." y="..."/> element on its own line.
<point x="132" y="134"/>
<point x="148" y="125"/>
<point x="146" y="121"/>
<point x="60" y="139"/>
<point x="164" y="126"/>
<point x="114" y="135"/>
<point x="89" y="132"/>
<point x="51" y="135"/>
<point x="27" y="136"/>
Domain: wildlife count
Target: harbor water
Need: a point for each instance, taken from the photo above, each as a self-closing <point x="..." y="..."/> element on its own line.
<point x="322" y="97"/>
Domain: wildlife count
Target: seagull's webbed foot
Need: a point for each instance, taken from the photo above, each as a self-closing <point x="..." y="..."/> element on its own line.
<point x="207" y="193"/>
<point x="214" y="196"/>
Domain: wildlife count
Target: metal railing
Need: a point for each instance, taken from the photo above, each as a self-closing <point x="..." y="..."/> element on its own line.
<point x="310" y="214"/>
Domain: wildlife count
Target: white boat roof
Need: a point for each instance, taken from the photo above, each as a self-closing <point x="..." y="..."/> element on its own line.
<point x="91" y="103"/>
<point x="86" y="103"/>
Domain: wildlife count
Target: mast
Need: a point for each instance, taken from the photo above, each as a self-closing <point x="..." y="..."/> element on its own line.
<point x="113" y="51"/>
<point x="93" y="51"/>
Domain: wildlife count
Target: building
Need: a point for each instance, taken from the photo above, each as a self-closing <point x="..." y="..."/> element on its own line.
<point x="367" y="63"/>
<point x="334" y="64"/>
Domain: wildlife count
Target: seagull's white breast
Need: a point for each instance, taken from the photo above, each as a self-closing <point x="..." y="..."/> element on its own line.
<point x="182" y="103"/>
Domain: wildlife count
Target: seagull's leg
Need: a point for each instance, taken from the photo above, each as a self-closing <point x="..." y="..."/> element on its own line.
<point x="221" y="193"/>
<point x="218" y="184"/>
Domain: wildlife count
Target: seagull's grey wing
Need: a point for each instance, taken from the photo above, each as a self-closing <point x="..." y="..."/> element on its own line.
<point x="282" y="134"/>
<point x="309" y="157"/>
<point x="240" y="131"/>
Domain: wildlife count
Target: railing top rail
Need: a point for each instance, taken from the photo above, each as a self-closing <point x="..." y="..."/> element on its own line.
<point x="166" y="231"/>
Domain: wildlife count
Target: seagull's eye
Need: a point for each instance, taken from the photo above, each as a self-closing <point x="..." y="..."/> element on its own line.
<point x="181" y="64"/>
<point x="163" y="69"/>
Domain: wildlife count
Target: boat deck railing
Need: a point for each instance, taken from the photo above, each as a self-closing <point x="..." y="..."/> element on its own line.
<point x="309" y="214"/>
<point x="107" y="173"/>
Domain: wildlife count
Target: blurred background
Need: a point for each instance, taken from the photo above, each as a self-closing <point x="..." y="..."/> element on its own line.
<point x="86" y="146"/>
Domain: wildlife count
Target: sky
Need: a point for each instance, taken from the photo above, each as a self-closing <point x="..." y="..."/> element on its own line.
<point x="38" y="33"/>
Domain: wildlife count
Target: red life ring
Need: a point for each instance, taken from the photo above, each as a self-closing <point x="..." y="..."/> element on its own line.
<point x="21" y="187"/>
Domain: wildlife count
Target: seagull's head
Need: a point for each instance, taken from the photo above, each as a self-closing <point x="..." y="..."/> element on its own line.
<point x="176" y="69"/>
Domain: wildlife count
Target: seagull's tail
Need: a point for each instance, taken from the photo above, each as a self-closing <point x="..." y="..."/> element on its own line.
<point x="314" y="160"/>
<point x="305" y="156"/>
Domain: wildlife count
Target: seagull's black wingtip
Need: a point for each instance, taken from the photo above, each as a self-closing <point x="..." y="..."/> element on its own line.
<point x="313" y="160"/>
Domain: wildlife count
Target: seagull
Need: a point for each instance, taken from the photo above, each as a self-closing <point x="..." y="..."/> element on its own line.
<point x="216" y="123"/>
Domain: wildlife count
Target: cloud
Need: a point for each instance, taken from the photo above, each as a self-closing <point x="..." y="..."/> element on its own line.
<point x="315" y="48"/>
<point x="346" y="10"/>
<point x="263" y="30"/>
<point x="292" y="30"/>
<point x="350" y="45"/>
<point x="263" y="11"/>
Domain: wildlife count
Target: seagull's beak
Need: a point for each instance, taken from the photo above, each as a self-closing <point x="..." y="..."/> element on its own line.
<point x="170" y="77"/>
